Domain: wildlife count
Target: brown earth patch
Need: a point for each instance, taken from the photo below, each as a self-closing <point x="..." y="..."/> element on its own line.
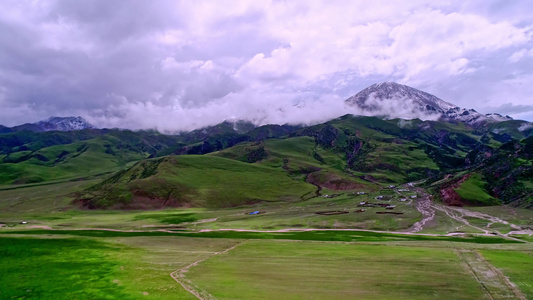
<point x="146" y="202"/>
<point x="448" y="194"/>
<point x="331" y="212"/>
<point x="332" y="182"/>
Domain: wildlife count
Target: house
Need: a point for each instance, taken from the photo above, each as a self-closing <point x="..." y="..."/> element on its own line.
<point x="392" y="186"/>
<point x="403" y="199"/>
<point x="413" y="197"/>
<point x="379" y="197"/>
<point x="360" y="193"/>
<point x="254" y="212"/>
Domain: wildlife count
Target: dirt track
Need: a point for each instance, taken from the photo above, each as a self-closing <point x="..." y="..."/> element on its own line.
<point x="494" y="283"/>
<point x="424" y="206"/>
<point x="188" y="285"/>
<point x="459" y="214"/>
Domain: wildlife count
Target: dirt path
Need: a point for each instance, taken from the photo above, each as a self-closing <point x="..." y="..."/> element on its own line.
<point x="492" y="280"/>
<point x="182" y="224"/>
<point x="191" y="287"/>
<point x="459" y="214"/>
<point x="424" y="206"/>
<point x="266" y="231"/>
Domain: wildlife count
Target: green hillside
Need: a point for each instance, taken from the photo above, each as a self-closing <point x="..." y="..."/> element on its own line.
<point x="195" y="181"/>
<point x="350" y="153"/>
<point x="40" y="157"/>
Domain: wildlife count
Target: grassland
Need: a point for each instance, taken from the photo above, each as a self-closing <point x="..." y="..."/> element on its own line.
<point x="52" y="268"/>
<point x="517" y="266"/>
<point x="62" y="162"/>
<point x="194" y="180"/>
<point x="473" y="191"/>
<point x="47" y="206"/>
<point x="85" y="268"/>
<point x="291" y="270"/>
<point x="135" y="265"/>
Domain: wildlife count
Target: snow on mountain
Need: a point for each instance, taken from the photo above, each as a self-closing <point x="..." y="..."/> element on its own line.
<point x="64" y="124"/>
<point x="498" y="117"/>
<point x="393" y="100"/>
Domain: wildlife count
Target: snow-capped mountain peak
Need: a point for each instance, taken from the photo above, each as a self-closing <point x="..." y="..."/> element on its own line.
<point x="393" y="100"/>
<point x="64" y="124"/>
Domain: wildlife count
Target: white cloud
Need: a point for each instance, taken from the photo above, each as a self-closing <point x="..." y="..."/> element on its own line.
<point x="518" y="55"/>
<point x="209" y="60"/>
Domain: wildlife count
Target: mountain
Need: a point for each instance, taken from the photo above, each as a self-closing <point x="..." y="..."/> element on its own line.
<point x="393" y="100"/>
<point x="4" y="129"/>
<point x="64" y="124"/>
<point x="347" y="153"/>
<point x="497" y="174"/>
<point x="56" y="124"/>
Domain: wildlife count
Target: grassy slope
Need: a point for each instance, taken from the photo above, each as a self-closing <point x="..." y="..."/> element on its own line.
<point x="201" y="181"/>
<point x="300" y="156"/>
<point x="473" y="191"/>
<point x="224" y="182"/>
<point x="60" y="162"/>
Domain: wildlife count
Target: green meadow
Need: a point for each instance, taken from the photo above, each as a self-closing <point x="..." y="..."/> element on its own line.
<point x="307" y="213"/>
<point x="86" y="264"/>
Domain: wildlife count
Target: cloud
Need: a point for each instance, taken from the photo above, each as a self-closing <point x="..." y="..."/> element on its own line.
<point x="110" y="62"/>
<point x="403" y="108"/>
<point x="272" y="109"/>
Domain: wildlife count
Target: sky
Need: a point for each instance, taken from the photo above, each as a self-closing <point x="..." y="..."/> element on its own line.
<point x="180" y="65"/>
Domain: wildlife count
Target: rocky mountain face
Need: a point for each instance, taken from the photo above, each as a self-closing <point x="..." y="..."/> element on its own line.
<point x="51" y="124"/>
<point x="393" y="100"/>
<point x="64" y="124"/>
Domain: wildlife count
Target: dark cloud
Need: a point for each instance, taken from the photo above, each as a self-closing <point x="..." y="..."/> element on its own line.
<point x="197" y="63"/>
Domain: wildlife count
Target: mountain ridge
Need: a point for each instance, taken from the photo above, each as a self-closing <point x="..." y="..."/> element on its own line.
<point x="394" y="100"/>
<point x="386" y="99"/>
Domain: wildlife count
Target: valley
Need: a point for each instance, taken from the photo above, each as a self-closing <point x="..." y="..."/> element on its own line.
<point x="356" y="207"/>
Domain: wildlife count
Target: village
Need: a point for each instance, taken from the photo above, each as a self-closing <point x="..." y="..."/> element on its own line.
<point x="386" y="202"/>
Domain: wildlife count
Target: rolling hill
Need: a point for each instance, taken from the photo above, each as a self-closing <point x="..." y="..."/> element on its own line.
<point x="236" y="162"/>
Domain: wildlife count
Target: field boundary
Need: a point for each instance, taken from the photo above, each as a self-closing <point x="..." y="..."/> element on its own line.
<point x="191" y="287"/>
<point x="495" y="284"/>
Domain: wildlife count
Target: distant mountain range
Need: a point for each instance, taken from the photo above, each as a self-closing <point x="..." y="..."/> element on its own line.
<point x="51" y="124"/>
<point x="388" y="100"/>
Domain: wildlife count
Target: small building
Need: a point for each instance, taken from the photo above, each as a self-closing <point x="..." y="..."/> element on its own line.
<point x="362" y="203"/>
<point x="379" y="197"/>
<point x="413" y="197"/>
<point x="392" y="186"/>
<point x="254" y="212"/>
<point x="403" y="199"/>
